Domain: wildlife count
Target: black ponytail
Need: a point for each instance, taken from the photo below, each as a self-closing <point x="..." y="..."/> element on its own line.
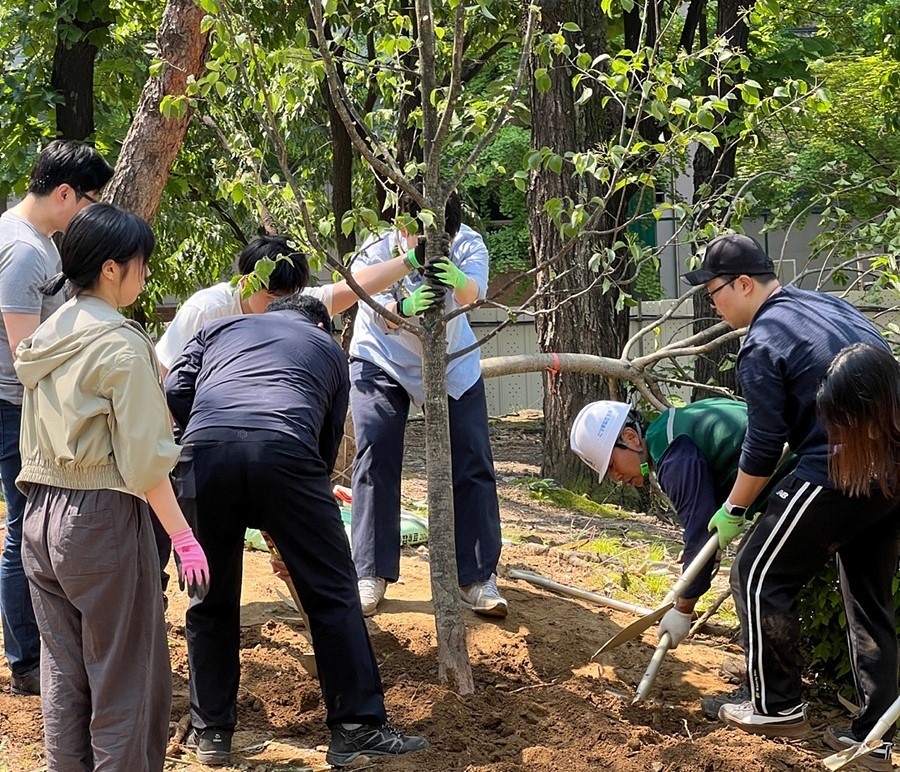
<point x="98" y="233"/>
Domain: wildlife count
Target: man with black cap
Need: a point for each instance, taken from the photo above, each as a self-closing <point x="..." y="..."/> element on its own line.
<point x="792" y="338"/>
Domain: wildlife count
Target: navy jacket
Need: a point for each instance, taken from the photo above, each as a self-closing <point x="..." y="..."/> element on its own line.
<point x="275" y="372"/>
<point x="792" y="340"/>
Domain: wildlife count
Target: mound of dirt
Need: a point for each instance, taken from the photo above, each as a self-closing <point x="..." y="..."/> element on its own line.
<point x="541" y="704"/>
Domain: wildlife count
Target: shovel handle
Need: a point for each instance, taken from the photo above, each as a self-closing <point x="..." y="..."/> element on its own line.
<point x="576" y="592"/>
<point x="885" y="722"/>
<point x="694" y="568"/>
<point x="273" y="550"/>
<point x="665" y="642"/>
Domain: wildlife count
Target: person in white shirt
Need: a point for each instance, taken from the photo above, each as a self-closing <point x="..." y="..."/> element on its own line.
<point x="288" y="276"/>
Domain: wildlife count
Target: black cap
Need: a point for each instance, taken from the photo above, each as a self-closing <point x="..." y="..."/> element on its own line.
<point x="731" y="255"/>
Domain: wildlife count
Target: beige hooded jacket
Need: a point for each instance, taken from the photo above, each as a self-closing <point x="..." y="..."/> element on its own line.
<point x="94" y="414"/>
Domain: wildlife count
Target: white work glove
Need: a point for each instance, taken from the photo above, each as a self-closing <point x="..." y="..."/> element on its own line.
<point x="677" y="624"/>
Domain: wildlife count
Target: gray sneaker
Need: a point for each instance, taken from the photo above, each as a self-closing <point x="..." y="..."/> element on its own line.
<point x="371" y="593"/>
<point x="785" y="723"/>
<point x="347" y="745"/>
<point x="484" y="598"/>
<point x="878" y="760"/>
<point x="710" y="705"/>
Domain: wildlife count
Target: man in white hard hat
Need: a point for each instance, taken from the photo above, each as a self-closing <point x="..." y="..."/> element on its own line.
<point x="694" y="451"/>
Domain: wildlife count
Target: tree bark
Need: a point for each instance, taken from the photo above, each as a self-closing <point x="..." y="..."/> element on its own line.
<point x="153" y="141"/>
<point x="712" y="173"/>
<point x="454" y="669"/>
<point x="587" y="322"/>
<point x="72" y="76"/>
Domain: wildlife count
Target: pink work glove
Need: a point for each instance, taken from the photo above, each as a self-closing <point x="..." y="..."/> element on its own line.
<point x="193" y="570"/>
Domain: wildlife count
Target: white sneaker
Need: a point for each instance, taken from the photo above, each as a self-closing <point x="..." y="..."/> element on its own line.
<point x="787" y="723"/>
<point x="484" y="598"/>
<point x="371" y="591"/>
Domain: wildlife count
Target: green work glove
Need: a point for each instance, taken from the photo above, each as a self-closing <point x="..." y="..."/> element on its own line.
<point x="415" y="258"/>
<point x="419" y="302"/>
<point x="727" y="523"/>
<point x="445" y="273"/>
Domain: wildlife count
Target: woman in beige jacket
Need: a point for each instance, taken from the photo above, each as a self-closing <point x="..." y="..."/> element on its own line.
<point x="97" y="448"/>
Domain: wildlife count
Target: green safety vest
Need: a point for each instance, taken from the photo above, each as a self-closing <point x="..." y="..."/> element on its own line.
<point x="716" y="426"/>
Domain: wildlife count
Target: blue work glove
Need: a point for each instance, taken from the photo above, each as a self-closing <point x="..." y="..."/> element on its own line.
<point x="729" y="521"/>
<point x="419" y="302"/>
<point x="446" y="274"/>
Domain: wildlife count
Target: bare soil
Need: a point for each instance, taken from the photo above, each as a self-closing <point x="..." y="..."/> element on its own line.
<point x="541" y="703"/>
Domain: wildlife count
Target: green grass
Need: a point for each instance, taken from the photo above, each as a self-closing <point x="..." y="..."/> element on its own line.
<point x="549" y="491"/>
<point x="630" y="568"/>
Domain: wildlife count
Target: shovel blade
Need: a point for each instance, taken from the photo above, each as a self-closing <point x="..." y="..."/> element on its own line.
<point x="842" y="758"/>
<point x="634" y="629"/>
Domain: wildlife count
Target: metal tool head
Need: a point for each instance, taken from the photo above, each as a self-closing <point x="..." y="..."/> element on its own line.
<point x="634" y="629"/>
<point x="841" y="759"/>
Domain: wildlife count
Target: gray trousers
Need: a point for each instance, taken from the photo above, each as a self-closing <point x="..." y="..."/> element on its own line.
<point x="106" y="682"/>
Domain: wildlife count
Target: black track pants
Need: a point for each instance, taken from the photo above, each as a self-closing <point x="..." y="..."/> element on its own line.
<point x="803" y="525"/>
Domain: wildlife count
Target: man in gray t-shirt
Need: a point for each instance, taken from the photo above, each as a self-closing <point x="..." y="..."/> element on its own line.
<point x="67" y="176"/>
<point x="27" y="259"/>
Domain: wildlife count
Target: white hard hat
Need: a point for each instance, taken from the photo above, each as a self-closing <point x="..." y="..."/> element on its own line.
<point x="595" y="431"/>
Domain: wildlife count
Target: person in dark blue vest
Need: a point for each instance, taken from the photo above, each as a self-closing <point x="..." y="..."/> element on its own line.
<point x="261" y="401"/>
<point x="694" y="451"/>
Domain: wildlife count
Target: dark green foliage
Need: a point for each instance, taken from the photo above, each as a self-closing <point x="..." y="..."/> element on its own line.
<point x="823" y="633"/>
<point x="499" y="204"/>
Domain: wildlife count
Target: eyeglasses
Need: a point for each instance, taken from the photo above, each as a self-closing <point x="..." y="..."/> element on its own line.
<point x="90" y="198"/>
<point x="710" y="295"/>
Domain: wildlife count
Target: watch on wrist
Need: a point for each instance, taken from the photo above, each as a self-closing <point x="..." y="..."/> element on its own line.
<point x="408" y="260"/>
<point x="734" y="510"/>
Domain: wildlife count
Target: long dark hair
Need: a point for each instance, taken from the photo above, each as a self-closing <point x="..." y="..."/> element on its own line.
<point x="98" y="233"/>
<point x="859" y="403"/>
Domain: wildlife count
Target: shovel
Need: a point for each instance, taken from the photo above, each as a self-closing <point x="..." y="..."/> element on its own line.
<point x="872" y="741"/>
<point x="690" y="573"/>
<point x="307" y="660"/>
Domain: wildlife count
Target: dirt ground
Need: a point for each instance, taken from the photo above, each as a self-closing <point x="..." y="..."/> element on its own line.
<point x="541" y="704"/>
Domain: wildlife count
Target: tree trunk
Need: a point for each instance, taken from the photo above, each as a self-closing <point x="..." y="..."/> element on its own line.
<point x="153" y="141"/>
<point x="454" y="669"/>
<point x="72" y="76"/>
<point x="713" y="171"/>
<point x="589" y="322"/>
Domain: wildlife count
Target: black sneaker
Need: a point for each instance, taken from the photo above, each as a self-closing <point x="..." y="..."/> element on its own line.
<point x="26" y="684"/>
<point x="370" y="740"/>
<point x="878" y="760"/>
<point x="211" y="746"/>
<point x="710" y="705"/>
